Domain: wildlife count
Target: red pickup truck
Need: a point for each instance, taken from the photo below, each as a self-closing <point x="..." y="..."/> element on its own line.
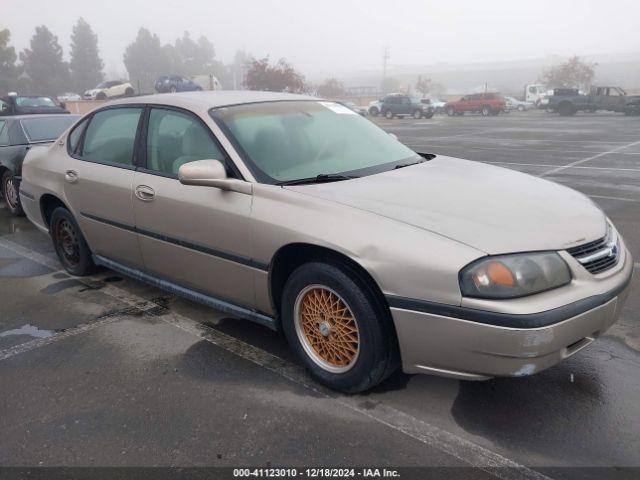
<point x="484" y="103"/>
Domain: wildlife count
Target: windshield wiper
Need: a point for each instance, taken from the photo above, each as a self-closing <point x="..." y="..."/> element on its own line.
<point x="402" y="165"/>
<point x="321" y="178"/>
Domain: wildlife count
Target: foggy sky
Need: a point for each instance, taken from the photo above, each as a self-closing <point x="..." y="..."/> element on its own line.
<point x="323" y="38"/>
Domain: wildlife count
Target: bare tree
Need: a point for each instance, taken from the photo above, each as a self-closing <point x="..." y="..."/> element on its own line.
<point x="331" y="87"/>
<point x="575" y="72"/>
<point x="423" y="85"/>
<point x="280" y="77"/>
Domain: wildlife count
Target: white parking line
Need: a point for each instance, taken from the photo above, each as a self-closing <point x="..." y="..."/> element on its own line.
<point x="508" y="148"/>
<point x="578" y="162"/>
<point x="546" y="166"/>
<point x="430" y="435"/>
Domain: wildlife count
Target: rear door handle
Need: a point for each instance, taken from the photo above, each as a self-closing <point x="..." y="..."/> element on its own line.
<point x="71" y="176"/>
<point x="145" y="193"/>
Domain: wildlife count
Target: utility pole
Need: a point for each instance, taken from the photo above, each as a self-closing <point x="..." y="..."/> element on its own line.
<point x="385" y="58"/>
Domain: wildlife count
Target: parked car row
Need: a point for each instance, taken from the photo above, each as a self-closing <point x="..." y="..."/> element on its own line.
<point x="297" y="214"/>
<point x="401" y="105"/>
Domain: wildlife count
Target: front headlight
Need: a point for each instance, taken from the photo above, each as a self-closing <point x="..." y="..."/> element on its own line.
<point x="516" y="275"/>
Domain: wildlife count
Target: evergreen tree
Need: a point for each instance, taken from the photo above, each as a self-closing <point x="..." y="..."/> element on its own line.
<point x="43" y="63"/>
<point x="146" y="60"/>
<point x="9" y="71"/>
<point x="85" y="65"/>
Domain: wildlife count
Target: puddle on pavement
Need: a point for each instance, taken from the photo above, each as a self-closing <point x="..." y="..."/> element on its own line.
<point x="29" y="330"/>
<point x="60" y="286"/>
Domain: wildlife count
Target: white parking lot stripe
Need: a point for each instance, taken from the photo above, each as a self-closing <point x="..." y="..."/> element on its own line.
<point x="430" y="435"/>
<point x="580" y="167"/>
<point x="578" y="162"/>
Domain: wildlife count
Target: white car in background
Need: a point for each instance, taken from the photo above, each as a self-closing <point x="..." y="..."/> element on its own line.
<point x="110" y="89"/>
<point x="515" y="104"/>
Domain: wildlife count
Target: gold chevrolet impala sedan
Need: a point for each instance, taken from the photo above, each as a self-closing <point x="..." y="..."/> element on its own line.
<point x="301" y="215"/>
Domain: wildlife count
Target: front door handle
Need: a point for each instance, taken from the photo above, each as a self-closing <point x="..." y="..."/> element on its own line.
<point x="145" y="193"/>
<point x="71" y="176"/>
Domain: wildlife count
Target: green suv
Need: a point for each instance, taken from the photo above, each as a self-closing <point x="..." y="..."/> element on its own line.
<point x="400" y="105"/>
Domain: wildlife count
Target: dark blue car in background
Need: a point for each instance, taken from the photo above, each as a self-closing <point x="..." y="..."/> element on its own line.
<point x="175" y="83"/>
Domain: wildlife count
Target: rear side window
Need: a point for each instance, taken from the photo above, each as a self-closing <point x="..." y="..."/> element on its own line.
<point x="175" y="138"/>
<point x="4" y="133"/>
<point x="111" y="135"/>
<point x="43" y="129"/>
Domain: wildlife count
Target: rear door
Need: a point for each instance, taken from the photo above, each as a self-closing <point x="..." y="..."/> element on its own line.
<point x="194" y="236"/>
<point x="98" y="182"/>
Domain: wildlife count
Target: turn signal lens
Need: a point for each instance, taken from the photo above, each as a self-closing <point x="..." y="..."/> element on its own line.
<point x="511" y="276"/>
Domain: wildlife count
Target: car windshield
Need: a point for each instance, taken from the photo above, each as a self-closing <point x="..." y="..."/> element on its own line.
<point x="290" y="140"/>
<point x="42" y="129"/>
<point x="103" y="84"/>
<point x="35" y="102"/>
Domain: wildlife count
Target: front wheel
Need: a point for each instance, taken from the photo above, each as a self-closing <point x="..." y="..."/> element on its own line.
<point x="389" y="115"/>
<point x="417" y="114"/>
<point x="10" y="191"/>
<point x="128" y="92"/>
<point x="338" y="328"/>
<point x="486" y="111"/>
<point x="101" y="96"/>
<point x="451" y="111"/>
<point x="521" y="108"/>
<point x="69" y="243"/>
<point x="374" y="112"/>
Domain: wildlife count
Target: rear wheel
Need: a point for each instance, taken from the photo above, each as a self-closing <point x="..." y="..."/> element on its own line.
<point x="521" y="108"/>
<point x="173" y="89"/>
<point x="338" y="328"/>
<point x="69" y="243"/>
<point x="101" y="96"/>
<point x="417" y="114"/>
<point x="128" y="92"/>
<point x="428" y="114"/>
<point x="486" y="110"/>
<point x="451" y="111"/>
<point x="389" y="114"/>
<point x="374" y="112"/>
<point x="11" y="193"/>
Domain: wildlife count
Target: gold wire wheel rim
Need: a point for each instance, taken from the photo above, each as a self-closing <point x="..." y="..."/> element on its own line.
<point x="327" y="328"/>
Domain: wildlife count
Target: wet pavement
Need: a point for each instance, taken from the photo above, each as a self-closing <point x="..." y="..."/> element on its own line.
<point x="107" y="371"/>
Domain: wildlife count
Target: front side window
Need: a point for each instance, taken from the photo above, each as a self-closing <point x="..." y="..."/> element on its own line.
<point x="110" y="136"/>
<point x="75" y="135"/>
<point x="175" y="138"/>
<point x="35" y="102"/>
<point x="290" y="140"/>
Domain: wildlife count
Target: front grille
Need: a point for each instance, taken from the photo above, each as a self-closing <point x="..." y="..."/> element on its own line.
<point x="599" y="255"/>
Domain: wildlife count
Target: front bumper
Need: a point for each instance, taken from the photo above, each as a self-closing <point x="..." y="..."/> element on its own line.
<point x="459" y="348"/>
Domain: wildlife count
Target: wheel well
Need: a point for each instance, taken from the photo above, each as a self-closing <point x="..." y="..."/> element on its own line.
<point x="2" y="170"/>
<point x="290" y="257"/>
<point x="48" y="203"/>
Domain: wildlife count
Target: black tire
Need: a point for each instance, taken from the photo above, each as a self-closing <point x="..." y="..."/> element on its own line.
<point x="417" y="114"/>
<point x="389" y="115"/>
<point x="377" y="355"/>
<point x="173" y="89"/>
<point x="69" y="243"/>
<point x="521" y="108"/>
<point x="451" y="111"/>
<point x="11" y="194"/>
<point x="428" y="114"/>
<point x="128" y="92"/>
<point x="485" y="110"/>
<point x="566" y="109"/>
<point x="101" y="96"/>
<point x="374" y="112"/>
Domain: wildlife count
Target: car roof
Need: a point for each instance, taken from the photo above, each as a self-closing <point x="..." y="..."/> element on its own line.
<point x="204" y="100"/>
<point x="39" y="115"/>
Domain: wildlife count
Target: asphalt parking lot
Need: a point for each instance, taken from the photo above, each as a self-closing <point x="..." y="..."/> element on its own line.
<point x="106" y="371"/>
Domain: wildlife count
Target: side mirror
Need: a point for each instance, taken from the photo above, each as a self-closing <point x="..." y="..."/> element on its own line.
<point x="211" y="173"/>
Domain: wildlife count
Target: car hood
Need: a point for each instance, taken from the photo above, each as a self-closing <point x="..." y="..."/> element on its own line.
<point x="492" y="209"/>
